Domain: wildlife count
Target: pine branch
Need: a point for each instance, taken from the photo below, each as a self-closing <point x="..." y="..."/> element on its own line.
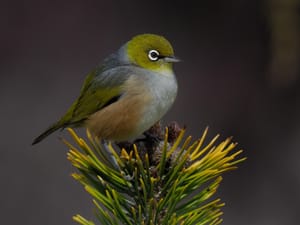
<point x="153" y="181"/>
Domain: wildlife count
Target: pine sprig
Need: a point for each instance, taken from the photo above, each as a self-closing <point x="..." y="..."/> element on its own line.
<point x="159" y="184"/>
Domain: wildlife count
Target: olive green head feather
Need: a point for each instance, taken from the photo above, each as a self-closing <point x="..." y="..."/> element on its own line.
<point x="151" y="52"/>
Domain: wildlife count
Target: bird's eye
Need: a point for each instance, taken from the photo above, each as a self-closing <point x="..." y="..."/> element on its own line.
<point x="153" y="55"/>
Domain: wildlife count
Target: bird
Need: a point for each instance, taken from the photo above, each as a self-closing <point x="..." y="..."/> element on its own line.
<point x="126" y="94"/>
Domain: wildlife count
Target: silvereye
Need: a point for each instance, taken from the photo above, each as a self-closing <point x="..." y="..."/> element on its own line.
<point x="128" y="93"/>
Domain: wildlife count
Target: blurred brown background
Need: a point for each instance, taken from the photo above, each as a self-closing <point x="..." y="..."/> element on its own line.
<point x="239" y="75"/>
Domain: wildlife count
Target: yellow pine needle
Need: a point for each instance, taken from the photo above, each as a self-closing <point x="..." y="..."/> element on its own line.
<point x="70" y="146"/>
<point x="235" y="162"/>
<point x="77" y="176"/>
<point x="194" y="165"/>
<point x="198" y="152"/>
<point x="220" y="159"/>
<point x="124" y="154"/>
<point x="89" y="135"/>
<point x="223" y="162"/>
<point x="210" y="204"/>
<point x="200" y="142"/>
<point x="176" y="143"/>
<point x="74" y="136"/>
<point x="186" y="142"/>
<point x="217" y="155"/>
<point x="82" y="220"/>
<point x="137" y="156"/>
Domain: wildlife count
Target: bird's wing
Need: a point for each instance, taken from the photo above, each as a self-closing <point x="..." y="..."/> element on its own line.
<point x="100" y="89"/>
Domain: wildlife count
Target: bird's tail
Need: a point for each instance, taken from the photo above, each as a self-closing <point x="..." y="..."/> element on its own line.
<point x="46" y="133"/>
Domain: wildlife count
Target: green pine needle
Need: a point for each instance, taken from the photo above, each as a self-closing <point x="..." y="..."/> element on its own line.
<point x="131" y="188"/>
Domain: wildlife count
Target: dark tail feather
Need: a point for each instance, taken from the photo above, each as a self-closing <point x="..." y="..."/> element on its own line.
<point x="49" y="131"/>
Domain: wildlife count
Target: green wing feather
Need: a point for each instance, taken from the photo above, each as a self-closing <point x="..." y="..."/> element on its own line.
<point x="100" y="88"/>
<point x="94" y="95"/>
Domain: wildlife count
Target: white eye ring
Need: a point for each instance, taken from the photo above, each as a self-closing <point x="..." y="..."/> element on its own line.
<point x="153" y="55"/>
